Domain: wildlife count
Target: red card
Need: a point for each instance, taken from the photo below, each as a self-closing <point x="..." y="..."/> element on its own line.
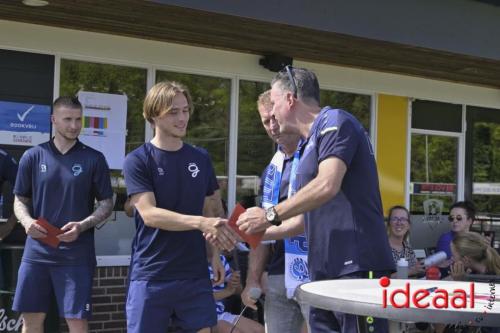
<point x="52" y="232"/>
<point x="253" y="239"/>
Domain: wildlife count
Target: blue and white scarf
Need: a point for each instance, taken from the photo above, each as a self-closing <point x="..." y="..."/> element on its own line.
<point x="296" y="271"/>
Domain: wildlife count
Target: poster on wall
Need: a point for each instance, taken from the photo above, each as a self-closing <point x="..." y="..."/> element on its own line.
<point x="104" y="124"/>
<point x="24" y="124"/>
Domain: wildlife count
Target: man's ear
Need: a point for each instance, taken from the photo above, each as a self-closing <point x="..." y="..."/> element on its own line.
<point x="290" y="99"/>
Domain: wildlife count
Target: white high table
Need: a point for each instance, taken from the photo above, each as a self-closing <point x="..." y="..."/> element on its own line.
<point x="364" y="297"/>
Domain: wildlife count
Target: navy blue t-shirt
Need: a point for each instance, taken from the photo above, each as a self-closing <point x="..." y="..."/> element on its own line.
<point x="276" y="265"/>
<point x="347" y="233"/>
<point x="63" y="189"/>
<point x="180" y="181"/>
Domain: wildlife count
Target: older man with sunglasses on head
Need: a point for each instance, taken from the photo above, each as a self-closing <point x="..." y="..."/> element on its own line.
<point x="338" y="193"/>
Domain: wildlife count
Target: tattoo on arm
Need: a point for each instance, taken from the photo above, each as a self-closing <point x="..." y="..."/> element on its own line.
<point x="102" y="212"/>
<point x="22" y="210"/>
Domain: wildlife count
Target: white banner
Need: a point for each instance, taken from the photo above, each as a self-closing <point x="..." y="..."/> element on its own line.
<point x="105" y="125"/>
<point x="486" y="188"/>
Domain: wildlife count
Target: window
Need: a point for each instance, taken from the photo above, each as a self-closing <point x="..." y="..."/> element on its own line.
<point x="255" y="148"/>
<point x="433" y="173"/>
<point x="483" y="147"/>
<point x="435" y="168"/>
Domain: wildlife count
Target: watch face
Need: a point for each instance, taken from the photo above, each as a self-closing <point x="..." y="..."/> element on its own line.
<point x="270" y="214"/>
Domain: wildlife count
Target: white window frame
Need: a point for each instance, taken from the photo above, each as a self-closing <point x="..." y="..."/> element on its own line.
<point x="460" y="153"/>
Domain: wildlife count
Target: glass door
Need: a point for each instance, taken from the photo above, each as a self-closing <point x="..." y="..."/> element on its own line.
<point x="434" y="184"/>
<point x="436" y="169"/>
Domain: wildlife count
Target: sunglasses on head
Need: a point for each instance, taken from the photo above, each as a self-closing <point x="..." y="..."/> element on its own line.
<point x="289" y="72"/>
<point x="459" y="218"/>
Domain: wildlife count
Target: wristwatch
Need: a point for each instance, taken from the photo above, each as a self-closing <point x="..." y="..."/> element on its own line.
<point x="272" y="216"/>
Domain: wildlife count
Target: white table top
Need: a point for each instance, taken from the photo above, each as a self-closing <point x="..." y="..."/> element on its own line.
<point x="364" y="297"/>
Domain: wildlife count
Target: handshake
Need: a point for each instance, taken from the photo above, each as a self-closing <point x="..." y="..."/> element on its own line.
<point x="224" y="233"/>
<point x="218" y="232"/>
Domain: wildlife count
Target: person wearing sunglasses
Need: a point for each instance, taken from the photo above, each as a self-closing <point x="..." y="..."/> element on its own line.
<point x="398" y="230"/>
<point x="461" y="216"/>
<point x="338" y="192"/>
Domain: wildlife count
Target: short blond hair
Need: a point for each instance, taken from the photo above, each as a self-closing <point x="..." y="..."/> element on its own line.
<point x="265" y="99"/>
<point x="160" y="97"/>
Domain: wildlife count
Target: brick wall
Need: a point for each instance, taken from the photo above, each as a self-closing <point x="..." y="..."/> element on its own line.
<point x="108" y="298"/>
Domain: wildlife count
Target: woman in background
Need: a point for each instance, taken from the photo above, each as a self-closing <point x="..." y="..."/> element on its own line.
<point x="473" y="255"/>
<point x="462" y="214"/>
<point x="398" y="230"/>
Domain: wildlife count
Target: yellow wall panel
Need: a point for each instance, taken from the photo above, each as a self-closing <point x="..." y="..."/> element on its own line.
<point x="392" y="128"/>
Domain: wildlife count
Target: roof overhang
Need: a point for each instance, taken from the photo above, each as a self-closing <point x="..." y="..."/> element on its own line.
<point x="149" y="20"/>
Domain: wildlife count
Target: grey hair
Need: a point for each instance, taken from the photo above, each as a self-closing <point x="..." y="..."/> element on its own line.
<point x="305" y="80"/>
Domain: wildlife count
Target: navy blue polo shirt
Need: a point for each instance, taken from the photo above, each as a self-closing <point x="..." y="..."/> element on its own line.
<point x="63" y="189"/>
<point x="180" y="181"/>
<point x="347" y="233"/>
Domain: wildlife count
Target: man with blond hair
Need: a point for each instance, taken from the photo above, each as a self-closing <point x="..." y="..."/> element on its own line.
<point x="275" y="188"/>
<point x="171" y="185"/>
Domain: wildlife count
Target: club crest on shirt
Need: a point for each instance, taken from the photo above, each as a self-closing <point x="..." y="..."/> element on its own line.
<point x="43" y="167"/>
<point x="298" y="269"/>
<point x="77" y="169"/>
<point x="193" y="168"/>
<point x="161" y="172"/>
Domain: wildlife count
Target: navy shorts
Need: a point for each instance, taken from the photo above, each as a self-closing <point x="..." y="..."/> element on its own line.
<point x="153" y="305"/>
<point x="71" y="285"/>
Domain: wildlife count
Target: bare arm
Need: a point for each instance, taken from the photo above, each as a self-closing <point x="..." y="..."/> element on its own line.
<point x="289" y="228"/>
<point x="22" y="211"/>
<point x="212" y="206"/>
<point x="322" y="188"/>
<point x="257" y="260"/>
<point x="102" y="212"/>
<point x="127" y="207"/>
<point x="73" y="229"/>
<point x="164" y="219"/>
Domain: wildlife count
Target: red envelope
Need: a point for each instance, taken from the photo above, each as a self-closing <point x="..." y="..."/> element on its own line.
<point x="253" y="239"/>
<point x="52" y="232"/>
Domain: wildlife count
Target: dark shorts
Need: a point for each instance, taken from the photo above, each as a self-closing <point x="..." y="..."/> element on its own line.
<point x="153" y="305"/>
<point x="324" y="321"/>
<point x="71" y="285"/>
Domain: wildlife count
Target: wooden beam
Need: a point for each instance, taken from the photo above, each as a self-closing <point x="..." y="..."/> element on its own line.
<point x="149" y="20"/>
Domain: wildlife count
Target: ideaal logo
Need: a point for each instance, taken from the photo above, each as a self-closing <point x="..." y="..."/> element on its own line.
<point x="440" y="299"/>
